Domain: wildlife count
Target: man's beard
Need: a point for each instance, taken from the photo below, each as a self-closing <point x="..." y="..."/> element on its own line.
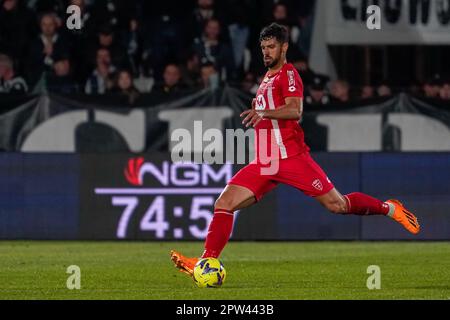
<point x="272" y="64"/>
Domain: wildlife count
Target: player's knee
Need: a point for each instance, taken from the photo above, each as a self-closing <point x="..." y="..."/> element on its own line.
<point x="336" y="207"/>
<point x="223" y="203"/>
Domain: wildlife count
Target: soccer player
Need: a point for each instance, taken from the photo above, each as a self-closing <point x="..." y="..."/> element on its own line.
<point x="277" y="109"/>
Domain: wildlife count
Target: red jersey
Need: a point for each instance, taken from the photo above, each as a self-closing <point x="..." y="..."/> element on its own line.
<point x="286" y="136"/>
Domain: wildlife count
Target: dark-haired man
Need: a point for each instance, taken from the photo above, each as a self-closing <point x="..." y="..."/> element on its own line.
<point x="275" y="115"/>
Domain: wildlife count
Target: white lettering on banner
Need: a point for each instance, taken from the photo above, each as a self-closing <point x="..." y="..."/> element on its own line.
<point x="352" y="132"/>
<point x="346" y="132"/>
<point x="44" y="139"/>
<point x="185" y="119"/>
<point x="403" y="22"/>
<point x="419" y="133"/>
<point x="57" y="134"/>
<point x="363" y="132"/>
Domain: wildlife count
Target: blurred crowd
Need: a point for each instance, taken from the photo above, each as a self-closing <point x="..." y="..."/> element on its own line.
<point x="321" y="91"/>
<point x="139" y="46"/>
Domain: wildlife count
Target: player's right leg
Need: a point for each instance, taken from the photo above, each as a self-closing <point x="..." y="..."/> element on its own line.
<point x="245" y="188"/>
<point x="233" y="198"/>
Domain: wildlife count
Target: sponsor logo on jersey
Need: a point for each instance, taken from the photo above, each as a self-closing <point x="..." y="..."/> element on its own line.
<point x="260" y="102"/>
<point x="291" y="78"/>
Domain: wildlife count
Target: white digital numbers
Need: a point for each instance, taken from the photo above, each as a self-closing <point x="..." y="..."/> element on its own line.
<point x="198" y="213"/>
<point x="155" y="218"/>
<point x="130" y="204"/>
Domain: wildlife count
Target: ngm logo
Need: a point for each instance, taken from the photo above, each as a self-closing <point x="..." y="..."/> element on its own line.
<point x="178" y="174"/>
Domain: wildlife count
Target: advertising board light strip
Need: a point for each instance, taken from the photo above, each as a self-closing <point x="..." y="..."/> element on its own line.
<point x="158" y="191"/>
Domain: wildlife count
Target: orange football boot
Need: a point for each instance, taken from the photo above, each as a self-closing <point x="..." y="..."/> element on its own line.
<point x="404" y="217"/>
<point x="183" y="263"/>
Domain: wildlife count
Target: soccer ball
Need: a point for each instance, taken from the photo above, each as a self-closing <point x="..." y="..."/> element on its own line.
<point x="209" y="273"/>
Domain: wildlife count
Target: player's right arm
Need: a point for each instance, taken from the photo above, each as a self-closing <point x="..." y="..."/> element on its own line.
<point x="292" y="110"/>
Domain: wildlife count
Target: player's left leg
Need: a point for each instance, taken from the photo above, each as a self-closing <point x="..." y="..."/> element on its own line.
<point x="354" y="203"/>
<point x="305" y="174"/>
<point x="364" y="205"/>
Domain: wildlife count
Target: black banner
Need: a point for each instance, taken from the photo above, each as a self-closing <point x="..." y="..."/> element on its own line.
<point x="94" y="124"/>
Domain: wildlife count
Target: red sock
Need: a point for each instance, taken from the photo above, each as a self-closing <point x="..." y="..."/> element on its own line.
<point x="218" y="233"/>
<point x="363" y="205"/>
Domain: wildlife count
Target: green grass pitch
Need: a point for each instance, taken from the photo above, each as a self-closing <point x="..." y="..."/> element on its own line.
<point x="255" y="270"/>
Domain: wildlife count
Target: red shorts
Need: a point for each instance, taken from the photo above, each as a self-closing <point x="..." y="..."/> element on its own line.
<point x="299" y="171"/>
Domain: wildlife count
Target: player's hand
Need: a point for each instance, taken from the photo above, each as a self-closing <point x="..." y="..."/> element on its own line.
<point x="254" y="104"/>
<point x="251" y="118"/>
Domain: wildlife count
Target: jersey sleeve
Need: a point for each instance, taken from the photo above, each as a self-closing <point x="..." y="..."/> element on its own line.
<point x="291" y="83"/>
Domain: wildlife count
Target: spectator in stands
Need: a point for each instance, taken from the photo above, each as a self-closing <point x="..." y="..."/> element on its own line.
<point x="340" y="91"/>
<point x="249" y="83"/>
<point x="190" y="70"/>
<point x="415" y="88"/>
<point x="163" y="43"/>
<point x="432" y="87"/>
<point x="17" y="26"/>
<point x="384" y="90"/>
<point x="124" y="87"/>
<point x="280" y="12"/>
<point x="61" y="80"/>
<point x="317" y="95"/>
<point x="281" y="16"/>
<point x="106" y="38"/>
<point x="101" y="78"/>
<point x="172" y="80"/>
<point x="204" y="11"/>
<point x="209" y="76"/>
<point x="212" y="49"/>
<point x="303" y="12"/>
<point x="367" y="92"/>
<point x="115" y="13"/>
<point x="56" y="6"/>
<point x="301" y="64"/>
<point x="239" y="34"/>
<point x="9" y="83"/>
<point x="444" y="92"/>
<point x="48" y="45"/>
<point x="81" y="58"/>
<point x="133" y="42"/>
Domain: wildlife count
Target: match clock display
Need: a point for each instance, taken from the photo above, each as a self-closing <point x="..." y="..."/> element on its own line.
<point x="136" y="198"/>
